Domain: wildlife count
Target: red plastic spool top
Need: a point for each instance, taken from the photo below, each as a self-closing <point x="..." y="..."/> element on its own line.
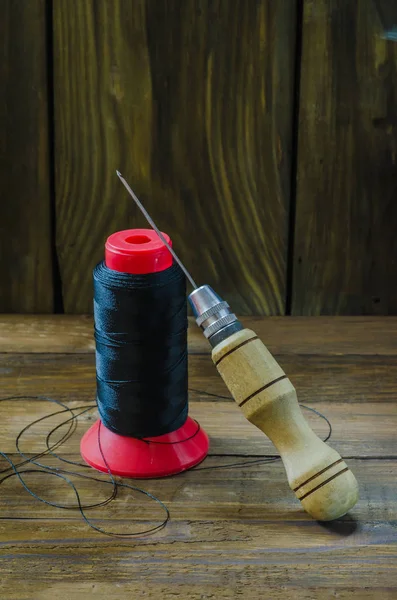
<point x="137" y="251"/>
<point x="140" y="251"/>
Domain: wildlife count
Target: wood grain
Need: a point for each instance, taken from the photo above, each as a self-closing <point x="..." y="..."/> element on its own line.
<point x="315" y="471"/>
<point x="25" y="230"/>
<point x="229" y="431"/>
<point x="350" y="380"/>
<point x="213" y="514"/>
<point x="323" y="336"/>
<point x="230" y="530"/>
<point x="52" y="333"/>
<point x="250" y="495"/>
<point x="222" y="589"/>
<point x="345" y="250"/>
<point x="193" y="103"/>
<point x="236" y="531"/>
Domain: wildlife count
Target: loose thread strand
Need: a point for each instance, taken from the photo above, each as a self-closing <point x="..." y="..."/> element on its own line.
<point x="65" y="474"/>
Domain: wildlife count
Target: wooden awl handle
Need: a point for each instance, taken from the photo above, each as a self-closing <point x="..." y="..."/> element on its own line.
<point x="316" y="473"/>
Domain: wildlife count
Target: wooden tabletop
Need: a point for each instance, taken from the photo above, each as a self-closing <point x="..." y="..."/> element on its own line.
<point x="236" y="532"/>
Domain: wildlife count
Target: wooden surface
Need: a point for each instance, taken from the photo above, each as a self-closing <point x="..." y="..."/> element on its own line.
<point x="331" y="336"/>
<point x="345" y="249"/>
<point x="233" y="532"/>
<point x="192" y="102"/>
<point x="25" y="230"/>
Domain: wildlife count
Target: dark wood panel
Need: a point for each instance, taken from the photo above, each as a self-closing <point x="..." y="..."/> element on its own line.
<point x="231" y="531"/>
<point x="324" y="336"/>
<point x="25" y="229"/>
<point x="192" y="101"/>
<point x="345" y="254"/>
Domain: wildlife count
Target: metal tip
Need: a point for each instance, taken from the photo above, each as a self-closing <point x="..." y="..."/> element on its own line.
<point x="156" y="229"/>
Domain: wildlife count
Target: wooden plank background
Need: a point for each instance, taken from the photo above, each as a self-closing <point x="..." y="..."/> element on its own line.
<point x="261" y="135"/>
<point x="25" y="224"/>
<point x="345" y="252"/>
<point x="192" y="101"/>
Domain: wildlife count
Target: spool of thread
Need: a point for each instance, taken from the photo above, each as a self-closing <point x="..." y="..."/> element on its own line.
<point x="139" y="436"/>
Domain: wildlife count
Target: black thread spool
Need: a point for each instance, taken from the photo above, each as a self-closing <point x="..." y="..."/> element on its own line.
<point x="141" y="358"/>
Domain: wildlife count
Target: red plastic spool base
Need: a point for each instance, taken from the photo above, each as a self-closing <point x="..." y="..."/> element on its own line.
<point x="140" y="251"/>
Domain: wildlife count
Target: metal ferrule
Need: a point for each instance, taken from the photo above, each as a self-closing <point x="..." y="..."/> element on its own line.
<point x="213" y="315"/>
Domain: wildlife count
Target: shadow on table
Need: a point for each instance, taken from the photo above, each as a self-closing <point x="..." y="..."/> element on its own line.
<point x="344" y="526"/>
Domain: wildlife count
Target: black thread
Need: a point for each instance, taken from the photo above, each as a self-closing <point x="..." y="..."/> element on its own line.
<point x="141" y="351"/>
<point x="65" y="474"/>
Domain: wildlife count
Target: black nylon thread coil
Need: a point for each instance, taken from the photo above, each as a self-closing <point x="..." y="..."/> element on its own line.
<point x="141" y="350"/>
